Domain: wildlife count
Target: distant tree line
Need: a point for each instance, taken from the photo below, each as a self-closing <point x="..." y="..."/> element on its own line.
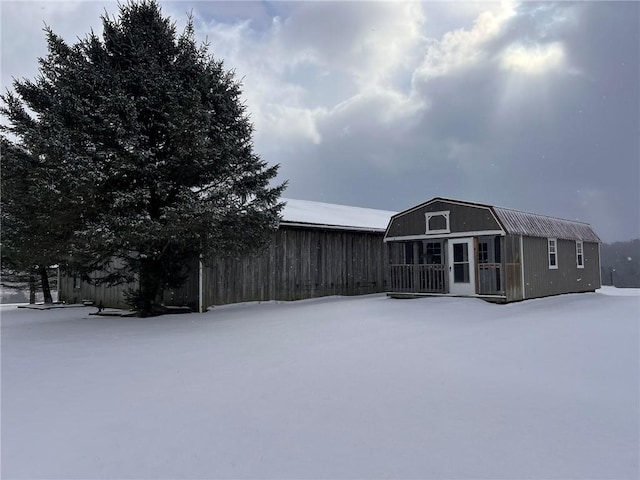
<point x="620" y="262"/>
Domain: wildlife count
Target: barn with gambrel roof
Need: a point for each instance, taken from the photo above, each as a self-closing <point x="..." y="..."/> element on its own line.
<point x="453" y="247"/>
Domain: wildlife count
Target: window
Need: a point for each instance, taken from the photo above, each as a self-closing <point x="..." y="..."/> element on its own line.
<point x="579" y="254"/>
<point x="483" y="252"/>
<point x="437" y="222"/>
<point x="77" y="281"/>
<point x="433" y="254"/>
<point x="553" y="252"/>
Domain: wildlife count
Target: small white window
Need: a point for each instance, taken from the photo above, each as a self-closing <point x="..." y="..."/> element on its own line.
<point x="579" y="254"/>
<point x="553" y="253"/>
<point x="437" y="222"/>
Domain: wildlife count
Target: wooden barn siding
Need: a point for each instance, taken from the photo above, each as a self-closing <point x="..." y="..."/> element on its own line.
<point x="462" y="218"/>
<point x="397" y="252"/>
<point x="301" y="263"/>
<point x="109" y="296"/>
<point x="541" y="281"/>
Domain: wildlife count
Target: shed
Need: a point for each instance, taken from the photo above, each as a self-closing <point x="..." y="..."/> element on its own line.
<point x="319" y="249"/>
<point x="453" y="247"/>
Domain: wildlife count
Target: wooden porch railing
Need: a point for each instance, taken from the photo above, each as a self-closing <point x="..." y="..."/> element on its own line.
<point x="401" y="278"/>
<point x="418" y="278"/>
<point x="432" y="278"/>
<point x="489" y="279"/>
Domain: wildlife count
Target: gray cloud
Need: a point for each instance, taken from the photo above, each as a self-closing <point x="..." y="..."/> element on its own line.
<point x="564" y="143"/>
<point x="385" y="105"/>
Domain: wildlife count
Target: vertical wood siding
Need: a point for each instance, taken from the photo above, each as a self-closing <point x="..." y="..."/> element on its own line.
<point x="396" y="252"/>
<point x="512" y="268"/>
<point x="301" y="263"/>
<point x="110" y="296"/>
<point x="541" y="281"/>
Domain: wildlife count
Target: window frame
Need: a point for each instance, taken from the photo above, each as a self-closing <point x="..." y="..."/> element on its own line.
<point x="579" y="254"/>
<point x="441" y="213"/>
<point x="552" y="243"/>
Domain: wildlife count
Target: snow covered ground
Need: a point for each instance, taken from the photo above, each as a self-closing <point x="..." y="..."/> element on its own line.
<point x="364" y="387"/>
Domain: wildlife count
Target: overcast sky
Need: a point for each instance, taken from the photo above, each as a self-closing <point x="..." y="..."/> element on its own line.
<point x="533" y="106"/>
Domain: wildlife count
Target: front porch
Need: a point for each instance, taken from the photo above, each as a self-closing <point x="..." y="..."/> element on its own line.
<point x="455" y="267"/>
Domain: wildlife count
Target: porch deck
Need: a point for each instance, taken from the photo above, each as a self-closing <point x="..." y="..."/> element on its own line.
<point x="409" y="295"/>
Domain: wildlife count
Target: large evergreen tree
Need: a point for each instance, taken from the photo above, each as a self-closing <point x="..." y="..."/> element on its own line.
<point x="146" y="148"/>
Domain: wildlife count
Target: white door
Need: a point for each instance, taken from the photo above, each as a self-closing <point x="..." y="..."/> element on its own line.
<point x="461" y="267"/>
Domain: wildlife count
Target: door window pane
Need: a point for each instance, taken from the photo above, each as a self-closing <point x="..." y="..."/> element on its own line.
<point x="461" y="273"/>
<point x="460" y="252"/>
<point x="461" y="263"/>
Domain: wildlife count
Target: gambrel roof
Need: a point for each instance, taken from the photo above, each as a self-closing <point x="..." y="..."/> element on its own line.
<point x="533" y="225"/>
<point x="510" y="221"/>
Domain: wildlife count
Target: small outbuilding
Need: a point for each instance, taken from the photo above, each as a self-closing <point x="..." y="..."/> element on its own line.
<point x="452" y="247"/>
<point x="319" y="249"/>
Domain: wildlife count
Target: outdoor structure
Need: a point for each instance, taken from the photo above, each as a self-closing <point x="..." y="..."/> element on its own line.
<point x="319" y="249"/>
<point x="451" y="247"/>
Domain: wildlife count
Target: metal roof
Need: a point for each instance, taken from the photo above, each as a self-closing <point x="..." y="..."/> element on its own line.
<point x="534" y="225"/>
<point x="309" y="214"/>
<point x="324" y="215"/>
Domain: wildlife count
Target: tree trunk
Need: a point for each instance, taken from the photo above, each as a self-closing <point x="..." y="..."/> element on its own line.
<point x="46" y="289"/>
<point x="32" y="288"/>
<point x="151" y="287"/>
